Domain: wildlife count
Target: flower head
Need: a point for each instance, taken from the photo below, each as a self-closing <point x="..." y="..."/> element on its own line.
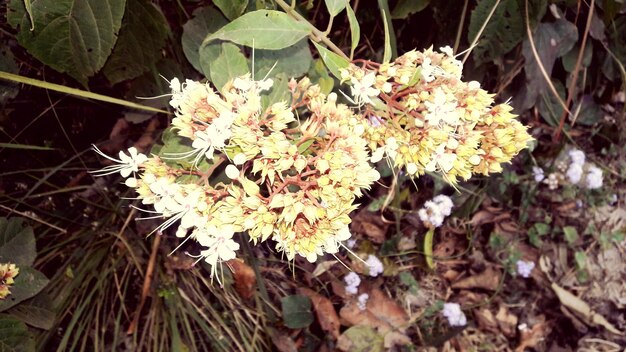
<point x="454" y="314"/>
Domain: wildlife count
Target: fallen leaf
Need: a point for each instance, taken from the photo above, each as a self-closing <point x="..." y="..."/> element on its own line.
<point x="371" y="225"/>
<point x="393" y="338"/>
<point x="381" y="312"/>
<point x="506" y="321"/>
<point x="245" y="279"/>
<point x="360" y="339"/>
<point x="323" y="267"/>
<point x="284" y="343"/>
<point x="530" y="338"/>
<point x="489" y="279"/>
<point x="582" y="309"/>
<point x="324" y="310"/>
<point x="486" y="320"/>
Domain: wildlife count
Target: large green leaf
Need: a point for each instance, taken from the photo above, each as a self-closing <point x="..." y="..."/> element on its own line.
<point x="17" y="242"/>
<point x="335" y="6"/>
<point x="297" y="312"/>
<point x="405" y="8"/>
<point x="14" y="335"/>
<point x="36" y="311"/>
<point x="205" y="21"/>
<point x="332" y="61"/>
<point x="72" y="36"/>
<point x="293" y="61"/>
<point x="28" y="283"/>
<point x="143" y="34"/>
<point x="262" y="29"/>
<point x="504" y="29"/>
<point x="231" y="8"/>
<point x="355" y="29"/>
<point x="229" y="64"/>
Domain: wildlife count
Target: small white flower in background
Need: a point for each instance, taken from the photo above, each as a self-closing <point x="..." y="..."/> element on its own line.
<point x="524" y="268"/>
<point x="352" y="281"/>
<point x="375" y="265"/>
<point x="454" y="314"/>
<point x="435" y="210"/>
<point x="552" y="181"/>
<point x="594" y="177"/>
<point x="574" y="173"/>
<point x="127" y="163"/>
<point x="613" y="199"/>
<point x="362" y="300"/>
<point x="538" y="174"/>
<point x="577" y="156"/>
<point x="351" y="243"/>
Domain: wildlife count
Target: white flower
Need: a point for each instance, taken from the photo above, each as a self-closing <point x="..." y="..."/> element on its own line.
<point x="390" y="149"/>
<point x="127" y="163"/>
<point x="574" y="173"/>
<point x="362" y="300"/>
<point x="538" y="174"/>
<point x="524" y="268"/>
<point x="362" y="89"/>
<point x="220" y="243"/>
<point x="441" y="160"/>
<point x="351" y="243"/>
<point x="454" y="314"/>
<point x="232" y="172"/>
<point x="375" y="265"/>
<point x="577" y="156"/>
<point x="441" y="110"/>
<point x="552" y="181"/>
<point x="594" y="177"/>
<point x="352" y="281"/>
<point x="434" y="211"/>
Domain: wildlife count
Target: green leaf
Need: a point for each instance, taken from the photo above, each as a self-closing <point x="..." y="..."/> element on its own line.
<point x="173" y="146"/>
<point x="428" y="248"/>
<point x="293" y="61"/>
<point x="14" y="335"/>
<point x="8" y="64"/>
<point x="17" y="242"/>
<point x="570" y="58"/>
<point x="335" y="6"/>
<point x="355" y="29"/>
<point x="262" y="29"/>
<point x="405" y="8"/>
<point x="15" y="13"/>
<point x="143" y="34"/>
<point x="319" y="74"/>
<point x="231" y="8"/>
<point x="72" y="36"/>
<point x="297" y="311"/>
<point x="205" y="21"/>
<point x="588" y="111"/>
<point x="332" y="61"/>
<point x="503" y="32"/>
<point x="28" y="283"/>
<point x="279" y="92"/>
<point x="229" y="64"/>
<point x="548" y="105"/>
<point x="387" y="25"/>
<point x="361" y="338"/>
<point x="571" y="234"/>
<point x="36" y="312"/>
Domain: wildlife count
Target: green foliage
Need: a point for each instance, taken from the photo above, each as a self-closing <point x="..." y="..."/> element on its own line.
<point x="355" y="30"/>
<point x="297" y="312"/>
<point x="335" y="6"/>
<point x="293" y="61"/>
<point x="230" y="63"/>
<point x="231" y="8"/>
<point x="17" y="242"/>
<point x="71" y="36"/>
<point x="262" y="29"/>
<point x="405" y="8"/>
<point x="14" y="335"/>
<point x="27" y="284"/>
<point x="142" y="35"/>
<point x="333" y="61"/>
<point x="205" y="21"/>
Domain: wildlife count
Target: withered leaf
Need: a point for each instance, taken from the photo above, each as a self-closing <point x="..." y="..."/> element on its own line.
<point x="324" y="310"/>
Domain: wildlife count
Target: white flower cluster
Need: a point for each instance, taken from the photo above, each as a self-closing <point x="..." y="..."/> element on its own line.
<point x="375" y="265"/>
<point x="538" y="174"/>
<point x="435" y="210"/>
<point x="454" y="314"/>
<point x="524" y="268"/>
<point x="362" y="301"/>
<point x="352" y="281"/>
<point x="573" y="169"/>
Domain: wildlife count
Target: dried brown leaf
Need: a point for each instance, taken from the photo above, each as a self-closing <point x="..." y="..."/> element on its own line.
<point x="507" y="322"/>
<point x="487" y="280"/>
<point x="381" y="312"/>
<point x="324" y="310"/>
<point x="245" y="279"/>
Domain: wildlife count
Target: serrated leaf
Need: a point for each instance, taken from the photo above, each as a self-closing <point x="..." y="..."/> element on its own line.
<point x="36" y="312"/>
<point x="14" y="335"/>
<point x="229" y="64"/>
<point x="297" y="312"/>
<point x="405" y="8"/>
<point x="335" y="6"/>
<point x="262" y="29"/>
<point x="355" y="29"/>
<point x="332" y="61"/>
<point x="231" y="8"/>
<point x="28" y="283"/>
<point x="17" y="242"/>
<point x="205" y="21"/>
<point x="72" y="36"/>
<point x="293" y="61"/>
<point x="143" y="33"/>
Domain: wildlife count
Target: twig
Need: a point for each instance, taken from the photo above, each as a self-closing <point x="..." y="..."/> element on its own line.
<point x="32" y="218"/>
<point x="146" y="285"/>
